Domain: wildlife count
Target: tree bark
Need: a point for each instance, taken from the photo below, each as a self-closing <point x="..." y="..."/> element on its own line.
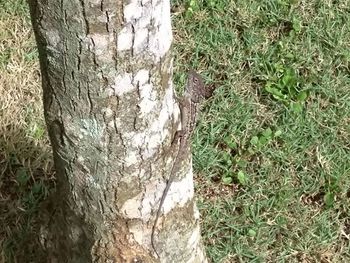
<point x="111" y="115"/>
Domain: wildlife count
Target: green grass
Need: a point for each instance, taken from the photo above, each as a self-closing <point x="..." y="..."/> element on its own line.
<point x="14" y="8"/>
<point x="271" y="152"/>
<point x="272" y="148"/>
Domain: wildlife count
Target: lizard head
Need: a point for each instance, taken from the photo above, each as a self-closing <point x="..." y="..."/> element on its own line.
<point x="196" y="87"/>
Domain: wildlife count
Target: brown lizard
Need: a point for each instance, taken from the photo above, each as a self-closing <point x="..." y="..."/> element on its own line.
<point x="195" y="91"/>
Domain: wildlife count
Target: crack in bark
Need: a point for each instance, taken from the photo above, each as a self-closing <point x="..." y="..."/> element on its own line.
<point x="65" y="16"/>
<point x="132" y="40"/>
<point x="87" y="29"/>
<point x="79" y="90"/>
<point x="119" y="134"/>
<point x="101" y="5"/>
<point x="101" y="207"/>
<point x="91" y="105"/>
<point x="64" y="82"/>
<point x="115" y="55"/>
<point x="63" y="12"/>
<point x="72" y="103"/>
<point x="107" y="23"/>
<point x="93" y="52"/>
<point x="80" y="50"/>
<point x="64" y="66"/>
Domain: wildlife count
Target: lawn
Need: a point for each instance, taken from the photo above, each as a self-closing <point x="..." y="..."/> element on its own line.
<point x="272" y="147"/>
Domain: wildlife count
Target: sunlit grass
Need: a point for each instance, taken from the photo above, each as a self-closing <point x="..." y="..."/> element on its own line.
<point x="271" y="151"/>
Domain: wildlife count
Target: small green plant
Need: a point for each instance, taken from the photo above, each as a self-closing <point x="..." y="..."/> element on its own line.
<point x="285" y="86"/>
<point x="257" y="142"/>
<point x="227" y="178"/>
<point x="31" y="192"/>
<point x="22" y="177"/>
<point x="252" y="233"/>
<point x="242" y="178"/>
<point x="239" y="177"/>
<point x="36" y="131"/>
<point x="229" y="161"/>
<point x="233" y="166"/>
<point x="31" y="55"/>
<point x="297" y="25"/>
<point x="230" y="142"/>
<point x="193" y="6"/>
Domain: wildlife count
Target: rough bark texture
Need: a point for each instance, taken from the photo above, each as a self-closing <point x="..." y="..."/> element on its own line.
<point x="111" y="115"/>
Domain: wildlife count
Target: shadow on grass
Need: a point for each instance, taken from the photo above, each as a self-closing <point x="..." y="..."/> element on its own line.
<point x="24" y="186"/>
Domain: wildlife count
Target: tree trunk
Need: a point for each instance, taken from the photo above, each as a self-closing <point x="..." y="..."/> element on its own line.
<point x="111" y="115"/>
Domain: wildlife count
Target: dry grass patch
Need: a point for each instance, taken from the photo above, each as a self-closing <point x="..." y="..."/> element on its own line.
<point x="25" y="166"/>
